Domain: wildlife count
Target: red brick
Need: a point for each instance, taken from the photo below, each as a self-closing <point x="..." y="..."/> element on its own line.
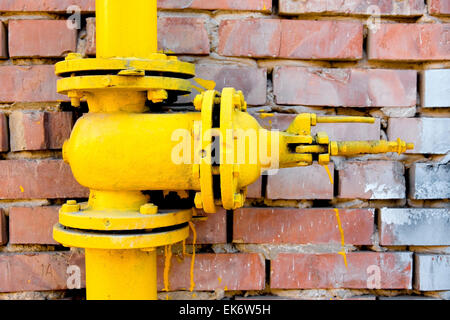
<point x="314" y="271"/>
<point x="254" y="5"/>
<point x="183" y="35"/>
<point x="255" y="189"/>
<point x="41" y="38"/>
<point x="409" y="42"/>
<point x="179" y="35"/>
<point x="29" y="84"/>
<point x="38" y="271"/>
<point x="38" y="179"/>
<point x="3" y="232"/>
<point x="45" y="5"/>
<point x="236" y="271"/>
<point x="291" y="39"/>
<point x="302" y="226"/>
<point x="89" y="5"/>
<point x="32" y="225"/>
<point x="330" y="40"/>
<point x="3" y="42"/>
<point x="429" y="135"/>
<point x="250" y="80"/>
<point x="212" y="229"/>
<point x="372" y="180"/>
<point x="310" y="182"/>
<point x="58" y="128"/>
<point x="4" y="138"/>
<point x="335" y="131"/>
<point x="27" y="130"/>
<point x="250" y="37"/>
<point x="354" y="7"/>
<point x="439" y="7"/>
<point x="345" y="87"/>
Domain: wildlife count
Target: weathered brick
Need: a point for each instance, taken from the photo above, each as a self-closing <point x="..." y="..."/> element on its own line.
<point x="29" y="84"/>
<point x="38" y="179"/>
<point x="439" y="7"/>
<point x="291" y="39"/>
<point x="212" y="229"/>
<point x="345" y="87"/>
<point x="4" y="138"/>
<point x="27" y="130"/>
<point x="38" y="271"/>
<point x="58" y="127"/>
<point x="251" y="81"/>
<point x="429" y="135"/>
<point x="3" y="42"/>
<point x="429" y="181"/>
<point x="409" y="42"/>
<point x="3" y="227"/>
<point x="237" y="271"/>
<point x="88" y="6"/>
<point x="435" y="88"/>
<point x="414" y="226"/>
<point x="254" y="5"/>
<point x="179" y="35"/>
<point x="41" y="38"/>
<point x="32" y="225"/>
<point x="255" y="189"/>
<point x="313" y="271"/>
<point x="60" y="6"/>
<point x="432" y="272"/>
<point x="329" y="40"/>
<point x="356" y="7"/>
<point x="335" y="131"/>
<point x="250" y="37"/>
<point x="372" y="180"/>
<point x="310" y="182"/>
<point x="302" y="226"/>
<point x="183" y="35"/>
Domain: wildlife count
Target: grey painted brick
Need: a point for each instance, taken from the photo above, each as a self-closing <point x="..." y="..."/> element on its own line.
<point x="414" y="226"/>
<point x="432" y="272"/>
<point x="429" y="181"/>
<point x="429" y="135"/>
<point x="435" y="88"/>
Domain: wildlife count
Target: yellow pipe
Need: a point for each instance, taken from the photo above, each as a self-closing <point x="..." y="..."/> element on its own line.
<point x="126" y="28"/>
<point x="120" y="274"/>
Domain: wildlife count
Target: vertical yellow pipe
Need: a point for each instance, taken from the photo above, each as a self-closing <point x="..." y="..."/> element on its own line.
<point x="120" y="274"/>
<point x="126" y="28"/>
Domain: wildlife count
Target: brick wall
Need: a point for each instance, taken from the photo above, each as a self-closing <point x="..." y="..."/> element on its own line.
<point x="389" y="235"/>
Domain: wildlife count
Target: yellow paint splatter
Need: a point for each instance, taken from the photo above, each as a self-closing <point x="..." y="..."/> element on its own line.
<point x="184" y="247"/>
<point x="168" y="259"/>
<point x="194" y="295"/>
<point x="21" y="189"/>
<point x="338" y="218"/>
<point x="194" y="239"/>
<point x="225" y="288"/>
<point x="266" y="115"/>
<point x="206" y="84"/>
<point x="220" y="280"/>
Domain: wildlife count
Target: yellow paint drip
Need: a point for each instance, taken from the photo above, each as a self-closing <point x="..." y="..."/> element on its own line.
<point x="21" y="189"/>
<point x="168" y="259"/>
<point x="342" y="253"/>
<point x="329" y="174"/>
<point x="184" y="247"/>
<point x="342" y="237"/>
<point x="194" y="233"/>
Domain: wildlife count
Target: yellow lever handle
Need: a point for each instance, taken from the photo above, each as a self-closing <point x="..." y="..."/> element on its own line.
<point x="348" y="148"/>
<point x="333" y="119"/>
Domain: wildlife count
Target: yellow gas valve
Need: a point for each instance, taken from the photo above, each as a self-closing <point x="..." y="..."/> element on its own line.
<point x="123" y="147"/>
